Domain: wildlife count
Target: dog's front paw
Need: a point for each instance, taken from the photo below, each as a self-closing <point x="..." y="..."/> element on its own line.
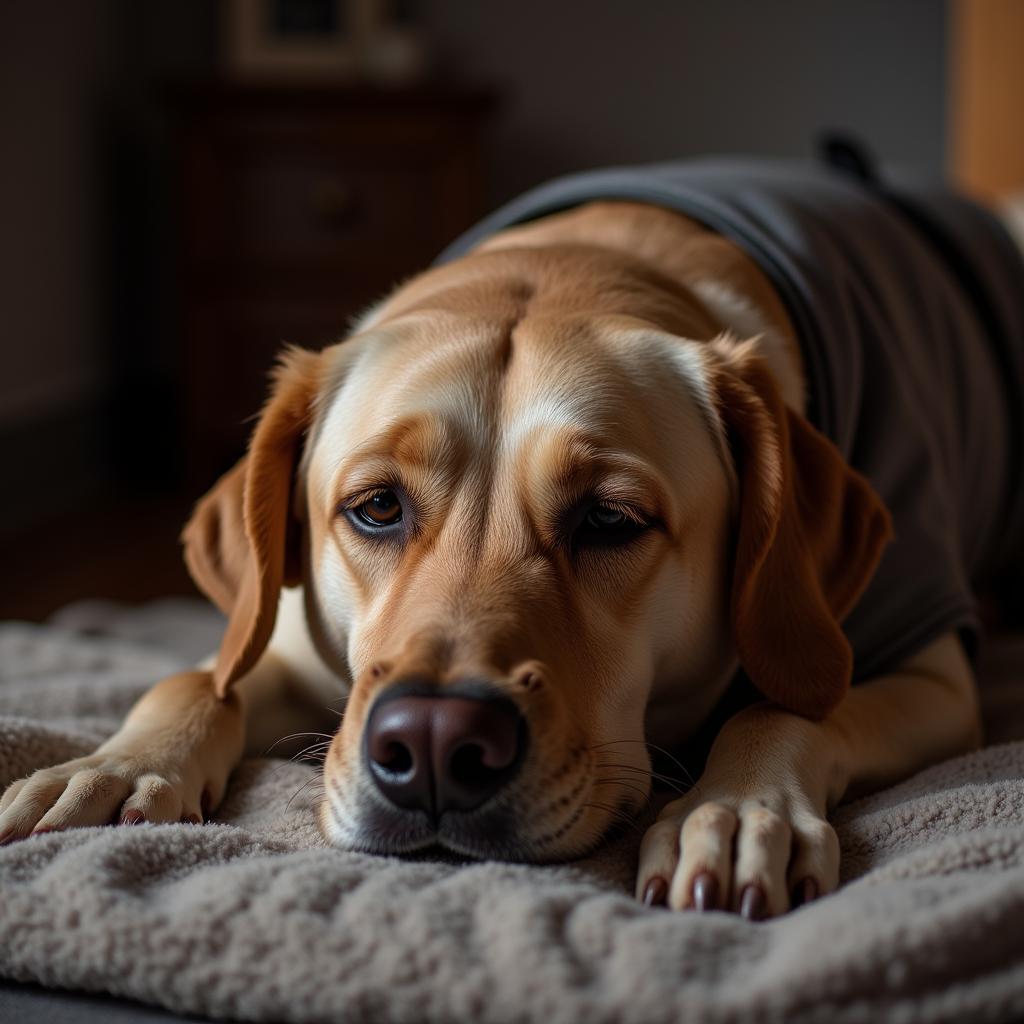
<point x="103" y="789"/>
<point x="169" y="762"/>
<point x="751" y="856"/>
<point x="751" y="836"/>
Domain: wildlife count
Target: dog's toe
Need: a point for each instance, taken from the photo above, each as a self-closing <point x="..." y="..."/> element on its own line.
<point x="33" y="798"/>
<point x="157" y="801"/>
<point x="705" y="855"/>
<point x="763" y="842"/>
<point x="90" y="797"/>
<point x="814" y="868"/>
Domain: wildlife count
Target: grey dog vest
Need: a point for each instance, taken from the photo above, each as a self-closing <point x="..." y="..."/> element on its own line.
<point x="909" y="307"/>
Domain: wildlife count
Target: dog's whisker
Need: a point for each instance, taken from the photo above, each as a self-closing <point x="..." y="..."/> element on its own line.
<point x="308" y="759"/>
<point x="301" y="757"/>
<point x="616" y="814"/>
<point x="305" y="785"/>
<point x="652" y="746"/>
<point x="675" y="760"/>
<point x="290" y="763"/>
<point x="660" y="776"/>
<point x="673" y="783"/>
<point x="626" y="785"/>
<point x="641" y="768"/>
<point x="313" y="747"/>
<point x="295" y="736"/>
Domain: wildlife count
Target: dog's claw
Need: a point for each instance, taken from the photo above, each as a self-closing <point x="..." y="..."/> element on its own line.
<point x="752" y="903"/>
<point x="655" y="892"/>
<point x="132" y="817"/>
<point x="705" y="892"/>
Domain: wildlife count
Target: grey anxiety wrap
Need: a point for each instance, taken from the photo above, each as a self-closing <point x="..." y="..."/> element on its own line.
<point x="909" y="307"/>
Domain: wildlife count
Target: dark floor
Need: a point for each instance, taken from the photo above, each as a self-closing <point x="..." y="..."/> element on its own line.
<point x="123" y="549"/>
<point x="32" y="1004"/>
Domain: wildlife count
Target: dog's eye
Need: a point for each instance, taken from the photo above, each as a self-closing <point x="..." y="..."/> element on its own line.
<point x="603" y="516"/>
<point x="382" y="509"/>
<point x="608" y="525"/>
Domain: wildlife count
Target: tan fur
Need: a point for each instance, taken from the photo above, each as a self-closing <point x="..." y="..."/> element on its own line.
<point x="811" y="532"/>
<point x="588" y="354"/>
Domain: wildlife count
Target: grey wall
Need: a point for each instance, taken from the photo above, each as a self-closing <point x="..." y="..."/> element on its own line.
<point x="594" y="82"/>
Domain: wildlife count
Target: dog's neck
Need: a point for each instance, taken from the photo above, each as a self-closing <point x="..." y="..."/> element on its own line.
<point x="730" y="286"/>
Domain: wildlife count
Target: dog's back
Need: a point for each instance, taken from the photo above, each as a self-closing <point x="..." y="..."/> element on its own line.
<point x="909" y="306"/>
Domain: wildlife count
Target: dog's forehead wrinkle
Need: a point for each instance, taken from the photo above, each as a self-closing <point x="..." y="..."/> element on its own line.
<point x="446" y="400"/>
<point x="342" y="361"/>
<point x="655" y="353"/>
<point x="586" y="401"/>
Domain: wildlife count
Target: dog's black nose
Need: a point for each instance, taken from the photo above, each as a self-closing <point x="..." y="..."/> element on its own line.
<point x="440" y="753"/>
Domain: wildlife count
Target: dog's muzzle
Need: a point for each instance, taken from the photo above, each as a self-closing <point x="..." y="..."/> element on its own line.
<point x="439" y="752"/>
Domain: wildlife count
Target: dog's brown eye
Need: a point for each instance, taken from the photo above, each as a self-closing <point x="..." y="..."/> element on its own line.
<point x="605" y="516"/>
<point x="607" y="526"/>
<point x="383" y="509"/>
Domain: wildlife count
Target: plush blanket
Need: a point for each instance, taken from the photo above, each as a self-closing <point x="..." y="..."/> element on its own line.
<point x="252" y="917"/>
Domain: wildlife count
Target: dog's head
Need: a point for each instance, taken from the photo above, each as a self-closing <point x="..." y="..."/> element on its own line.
<point x="533" y="499"/>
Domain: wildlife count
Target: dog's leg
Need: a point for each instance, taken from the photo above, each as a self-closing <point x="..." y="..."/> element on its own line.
<point x="752" y="836"/>
<point x="171" y="759"/>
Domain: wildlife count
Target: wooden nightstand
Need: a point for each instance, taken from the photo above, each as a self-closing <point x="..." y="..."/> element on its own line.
<point x="300" y="207"/>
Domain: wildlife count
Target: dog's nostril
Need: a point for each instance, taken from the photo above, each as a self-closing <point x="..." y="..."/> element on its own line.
<point x="469" y="766"/>
<point x="396" y="758"/>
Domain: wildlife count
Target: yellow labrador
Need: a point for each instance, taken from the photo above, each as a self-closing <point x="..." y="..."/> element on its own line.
<point x="537" y="510"/>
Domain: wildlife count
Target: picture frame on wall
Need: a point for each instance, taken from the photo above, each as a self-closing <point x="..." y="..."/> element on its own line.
<point x="297" y="38"/>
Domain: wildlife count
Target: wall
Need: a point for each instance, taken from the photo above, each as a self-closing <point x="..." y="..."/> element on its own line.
<point x="54" y="65"/>
<point x="83" y="248"/>
<point x="595" y="82"/>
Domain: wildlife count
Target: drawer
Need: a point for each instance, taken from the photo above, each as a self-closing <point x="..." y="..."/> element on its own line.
<point x="300" y="206"/>
<point x="295" y="205"/>
<point x="292" y="205"/>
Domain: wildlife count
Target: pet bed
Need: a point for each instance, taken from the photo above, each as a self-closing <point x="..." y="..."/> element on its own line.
<point x="253" y="917"/>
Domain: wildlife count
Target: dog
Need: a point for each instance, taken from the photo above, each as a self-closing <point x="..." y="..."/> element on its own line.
<point x="556" y="494"/>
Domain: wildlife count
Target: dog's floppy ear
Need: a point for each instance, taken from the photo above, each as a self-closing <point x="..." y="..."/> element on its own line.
<point x="811" y="531"/>
<point x="241" y="544"/>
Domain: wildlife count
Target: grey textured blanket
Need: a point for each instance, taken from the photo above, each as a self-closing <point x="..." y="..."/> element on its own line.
<point x="253" y="918"/>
